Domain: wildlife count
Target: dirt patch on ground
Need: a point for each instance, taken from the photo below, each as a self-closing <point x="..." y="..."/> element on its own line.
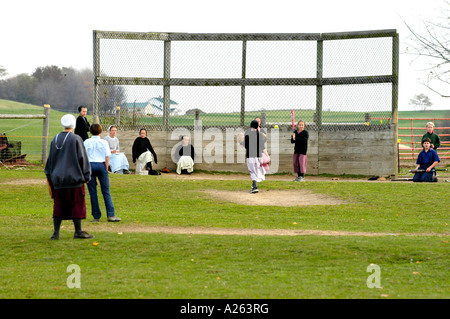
<point x="246" y="177"/>
<point x="29" y="181"/>
<point x="284" y="198"/>
<point x="121" y="229"/>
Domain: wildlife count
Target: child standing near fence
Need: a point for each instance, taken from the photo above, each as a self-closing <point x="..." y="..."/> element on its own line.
<point x="299" y="160"/>
<point x="434" y="138"/>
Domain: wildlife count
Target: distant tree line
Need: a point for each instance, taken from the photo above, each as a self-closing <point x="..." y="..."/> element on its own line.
<point x="63" y="88"/>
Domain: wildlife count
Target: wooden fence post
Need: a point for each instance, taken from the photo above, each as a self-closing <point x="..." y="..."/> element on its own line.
<point x="45" y="131"/>
<point x="117" y="115"/>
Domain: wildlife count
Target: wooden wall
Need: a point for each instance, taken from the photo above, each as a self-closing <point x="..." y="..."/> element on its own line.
<point x="354" y="152"/>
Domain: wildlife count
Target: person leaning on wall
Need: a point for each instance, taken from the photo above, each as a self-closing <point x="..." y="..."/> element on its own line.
<point x="143" y="154"/>
<point x="118" y="162"/>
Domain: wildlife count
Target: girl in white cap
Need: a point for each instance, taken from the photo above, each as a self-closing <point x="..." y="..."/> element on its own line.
<point x="67" y="170"/>
<point x="118" y="162"/>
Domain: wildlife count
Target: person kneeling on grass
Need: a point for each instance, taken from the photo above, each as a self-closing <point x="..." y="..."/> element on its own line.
<point x="427" y="160"/>
<point x="185" y="154"/>
<point x="254" y="145"/>
<point x="67" y="170"/>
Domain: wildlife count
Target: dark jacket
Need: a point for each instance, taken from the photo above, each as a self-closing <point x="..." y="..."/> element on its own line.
<point x="141" y="145"/>
<point x="82" y="127"/>
<point x="301" y="142"/>
<point x="254" y="143"/>
<point x="434" y="138"/>
<point x="187" y="150"/>
<point x="67" y="164"/>
<point x="426" y="159"/>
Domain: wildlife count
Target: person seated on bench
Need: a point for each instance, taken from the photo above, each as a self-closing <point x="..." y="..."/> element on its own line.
<point x="427" y="160"/>
<point x="185" y="157"/>
<point x="118" y="162"/>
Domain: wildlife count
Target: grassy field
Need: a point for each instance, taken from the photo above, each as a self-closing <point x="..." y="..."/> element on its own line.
<point x="402" y="228"/>
<point x="29" y="132"/>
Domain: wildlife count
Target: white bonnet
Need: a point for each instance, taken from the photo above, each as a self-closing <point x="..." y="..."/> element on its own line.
<point x="68" y="121"/>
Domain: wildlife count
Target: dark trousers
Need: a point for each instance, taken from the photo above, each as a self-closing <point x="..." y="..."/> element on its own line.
<point x="424" y="177"/>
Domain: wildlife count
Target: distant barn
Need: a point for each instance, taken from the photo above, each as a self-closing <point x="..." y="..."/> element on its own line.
<point x="152" y="107"/>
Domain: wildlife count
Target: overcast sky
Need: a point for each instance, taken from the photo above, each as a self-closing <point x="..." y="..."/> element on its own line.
<point x="54" y="32"/>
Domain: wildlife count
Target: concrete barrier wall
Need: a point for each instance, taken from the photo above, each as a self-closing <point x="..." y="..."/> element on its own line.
<point x="351" y="152"/>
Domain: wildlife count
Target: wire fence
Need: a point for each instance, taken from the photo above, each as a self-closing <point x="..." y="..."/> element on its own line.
<point x="166" y="80"/>
<point x="18" y="137"/>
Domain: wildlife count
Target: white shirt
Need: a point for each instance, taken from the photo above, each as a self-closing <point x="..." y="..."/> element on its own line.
<point x="97" y="149"/>
<point x="113" y="143"/>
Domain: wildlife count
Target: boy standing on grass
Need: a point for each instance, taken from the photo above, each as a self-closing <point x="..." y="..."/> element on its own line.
<point x="427" y="160"/>
<point x="82" y="125"/>
<point x="434" y="138"/>
<point x="67" y="170"/>
<point x="98" y="153"/>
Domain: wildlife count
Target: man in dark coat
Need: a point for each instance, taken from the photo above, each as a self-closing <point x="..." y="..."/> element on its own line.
<point x="67" y="170"/>
<point x="82" y="125"/>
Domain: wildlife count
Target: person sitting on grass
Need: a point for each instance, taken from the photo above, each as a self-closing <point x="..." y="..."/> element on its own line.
<point x="118" y="162"/>
<point x="185" y="154"/>
<point x="143" y="154"/>
<point x="427" y="160"/>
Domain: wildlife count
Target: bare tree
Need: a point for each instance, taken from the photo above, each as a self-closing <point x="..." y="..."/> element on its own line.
<point x="420" y="101"/>
<point x="431" y="42"/>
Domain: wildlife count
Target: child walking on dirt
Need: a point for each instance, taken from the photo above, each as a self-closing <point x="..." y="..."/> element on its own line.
<point x="254" y="146"/>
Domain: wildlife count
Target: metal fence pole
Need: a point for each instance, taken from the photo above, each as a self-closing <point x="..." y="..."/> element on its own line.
<point x="45" y="131"/>
<point x="166" y="104"/>
<point x="319" y="75"/>
<point x="395" y="69"/>
<point x="96" y="100"/>
<point x="244" y="62"/>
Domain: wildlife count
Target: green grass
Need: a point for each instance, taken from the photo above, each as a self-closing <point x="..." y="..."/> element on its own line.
<point x="29" y="131"/>
<point x="138" y="265"/>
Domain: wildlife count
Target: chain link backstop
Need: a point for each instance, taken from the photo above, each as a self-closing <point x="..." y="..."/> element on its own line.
<point x="160" y="81"/>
